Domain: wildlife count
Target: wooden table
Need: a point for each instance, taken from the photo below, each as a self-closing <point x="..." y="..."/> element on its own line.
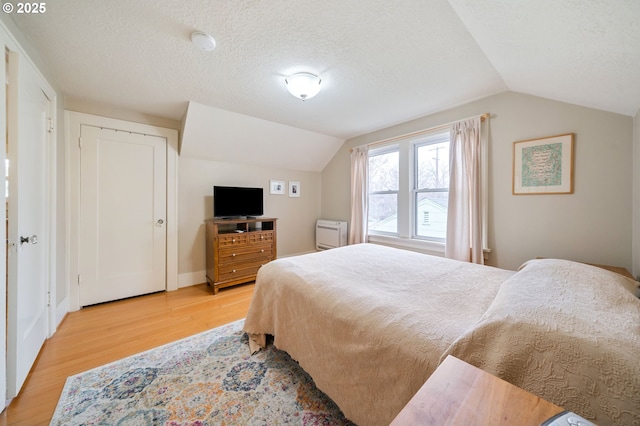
<point x="460" y="394"/>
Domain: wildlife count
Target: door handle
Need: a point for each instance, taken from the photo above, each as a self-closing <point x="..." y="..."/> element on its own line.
<point x="159" y="222"/>
<point x="32" y="239"/>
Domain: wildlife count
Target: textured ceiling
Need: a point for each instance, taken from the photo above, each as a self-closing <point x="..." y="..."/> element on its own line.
<point x="382" y="62"/>
<point x="576" y="51"/>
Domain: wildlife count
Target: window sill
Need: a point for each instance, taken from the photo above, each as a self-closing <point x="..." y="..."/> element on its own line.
<point x="421" y="246"/>
<point x="427" y="247"/>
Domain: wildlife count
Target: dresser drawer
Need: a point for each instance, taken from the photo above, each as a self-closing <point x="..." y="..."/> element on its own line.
<point x="260" y="236"/>
<point x="234" y="239"/>
<point x="242" y="238"/>
<point x="235" y="271"/>
<point x="243" y="253"/>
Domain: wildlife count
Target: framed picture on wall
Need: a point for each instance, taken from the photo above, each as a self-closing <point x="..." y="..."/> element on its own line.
<point x="543" y="166"/>
<point x="276" y="187"/>
<point x="294" y="189"/>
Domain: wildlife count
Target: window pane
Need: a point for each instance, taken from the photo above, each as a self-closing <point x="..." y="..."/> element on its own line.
<point x="383" y="213"/>
<point x="431" y="214"/>
<point x="433" y="166"/>
<point x="383" y="172"/>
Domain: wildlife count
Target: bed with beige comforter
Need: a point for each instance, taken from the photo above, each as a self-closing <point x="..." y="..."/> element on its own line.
<point x="371" y="323"/>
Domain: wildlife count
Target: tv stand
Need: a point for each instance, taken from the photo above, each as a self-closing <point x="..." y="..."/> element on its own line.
<point x="236" y="248"/>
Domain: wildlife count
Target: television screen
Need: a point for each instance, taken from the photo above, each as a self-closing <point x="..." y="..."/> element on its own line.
<point x="234" y="201"/>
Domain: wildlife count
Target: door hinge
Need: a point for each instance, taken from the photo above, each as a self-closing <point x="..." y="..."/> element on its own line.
<point x="48" y="298"/>
<point x="50" y="126"/>
<point x="78" y="280"/>
<point x="80" y="143"/>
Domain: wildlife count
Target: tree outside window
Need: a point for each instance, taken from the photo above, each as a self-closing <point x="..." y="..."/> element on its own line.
<point x="383" y="190"/>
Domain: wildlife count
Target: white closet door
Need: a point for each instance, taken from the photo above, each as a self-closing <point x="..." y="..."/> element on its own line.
<point x="123" y="207"/>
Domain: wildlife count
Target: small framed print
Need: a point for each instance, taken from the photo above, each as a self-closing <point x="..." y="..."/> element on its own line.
<point x="543" y="166"/>
<point x="294" y="189"/>
<point x="276" y="187"/>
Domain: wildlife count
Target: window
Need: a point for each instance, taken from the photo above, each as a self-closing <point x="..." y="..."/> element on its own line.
<point x="409" y="188"/>
<point x="431" y="187"/>
<point x="384" y="186"/>
<point x="409" y="191"/>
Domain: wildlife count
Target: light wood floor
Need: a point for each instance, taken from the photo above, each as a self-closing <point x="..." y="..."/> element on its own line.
<point x="104" y="333"/>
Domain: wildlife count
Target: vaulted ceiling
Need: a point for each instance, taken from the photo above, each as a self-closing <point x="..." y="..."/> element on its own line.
<point x="382" y="62"/>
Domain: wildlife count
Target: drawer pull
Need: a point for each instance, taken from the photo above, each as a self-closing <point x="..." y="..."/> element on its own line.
<point x="233" y="241"/>
<point x="261" y="237"/>
<point x="234" y="271"/>
<point x="262" y="251"/>
<point x="233" y="255"/>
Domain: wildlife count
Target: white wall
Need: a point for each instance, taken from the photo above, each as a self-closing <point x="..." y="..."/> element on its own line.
<point x="296" y="216"/>
<point x="591" y="225"/>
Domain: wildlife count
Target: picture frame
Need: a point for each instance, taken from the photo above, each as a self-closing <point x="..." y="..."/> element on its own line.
<point x="543" y="166"/>
<point x="294" y="189"/>
<point x="276" y="187"/>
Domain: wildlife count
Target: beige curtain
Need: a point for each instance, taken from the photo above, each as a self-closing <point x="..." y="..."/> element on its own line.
<point x="464" y="217"/>
<point x="359" y="194"/>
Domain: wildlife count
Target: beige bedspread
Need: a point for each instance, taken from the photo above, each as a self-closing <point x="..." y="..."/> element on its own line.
<point x="367" y="322"/>
<point x="567" y="332"/>
<point x="371" y="323"/>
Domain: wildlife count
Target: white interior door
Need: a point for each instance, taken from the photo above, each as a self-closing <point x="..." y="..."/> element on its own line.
<point x="122" y="243"/>
<point x="28" y="205"/>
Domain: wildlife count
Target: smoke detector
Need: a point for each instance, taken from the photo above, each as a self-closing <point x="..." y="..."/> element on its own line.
<point x="204" y="41"/>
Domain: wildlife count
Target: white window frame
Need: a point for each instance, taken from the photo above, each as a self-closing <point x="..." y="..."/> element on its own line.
<point x="431" y="139"/>
<point x="382" y="151"/>
<point x="406" y="199"/>
<point x="406" y="205"/>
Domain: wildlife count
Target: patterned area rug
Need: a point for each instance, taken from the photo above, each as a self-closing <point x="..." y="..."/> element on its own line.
<point x="206" y="379"/>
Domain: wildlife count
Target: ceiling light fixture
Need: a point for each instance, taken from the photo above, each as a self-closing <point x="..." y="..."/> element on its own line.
<point x="303" y="85"/>
<point x="203" y="41"/>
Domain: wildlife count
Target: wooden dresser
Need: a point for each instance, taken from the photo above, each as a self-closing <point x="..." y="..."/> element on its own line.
<point x="237" y="248"/>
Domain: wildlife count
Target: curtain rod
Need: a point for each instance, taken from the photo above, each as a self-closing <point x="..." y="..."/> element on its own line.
<point x="421" y="132"/>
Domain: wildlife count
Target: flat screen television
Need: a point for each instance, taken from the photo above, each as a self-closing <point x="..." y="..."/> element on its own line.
<point x="236" y="201"/>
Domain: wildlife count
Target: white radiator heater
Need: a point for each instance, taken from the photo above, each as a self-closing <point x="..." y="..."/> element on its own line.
<point x="330" y="234"/>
